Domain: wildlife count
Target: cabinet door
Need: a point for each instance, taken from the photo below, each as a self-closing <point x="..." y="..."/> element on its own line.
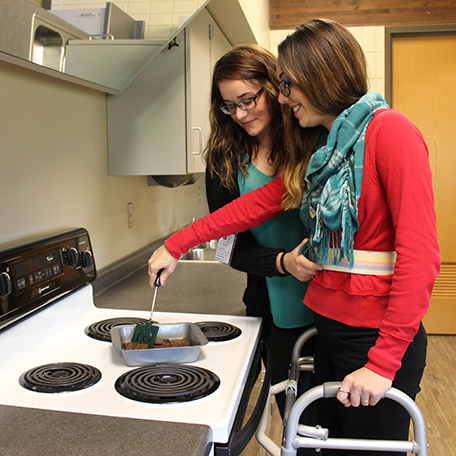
<point x="206" y="44"/>
<point x="198" y="89"/>
<point x="147" y="121"/>
<point x="159" y="124"/>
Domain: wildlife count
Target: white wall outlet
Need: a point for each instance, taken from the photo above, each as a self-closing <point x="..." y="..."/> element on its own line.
<point x="130" y="215"/>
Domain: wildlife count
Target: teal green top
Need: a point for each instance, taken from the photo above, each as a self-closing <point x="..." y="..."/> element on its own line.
<point x="286" y="294"/>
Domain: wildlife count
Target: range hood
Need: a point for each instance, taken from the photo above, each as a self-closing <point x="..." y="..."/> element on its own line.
<point x="115" y="63"/>
<point x="110" y="66"/>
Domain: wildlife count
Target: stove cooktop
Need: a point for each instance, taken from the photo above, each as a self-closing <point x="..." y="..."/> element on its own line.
<point x="47" y="326"/>
<point x="57" y="334"/>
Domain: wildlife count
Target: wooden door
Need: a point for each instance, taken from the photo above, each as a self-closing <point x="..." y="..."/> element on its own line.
<point x="424" y="89"/>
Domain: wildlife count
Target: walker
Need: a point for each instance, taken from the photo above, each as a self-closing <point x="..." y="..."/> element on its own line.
<point x="296" y="435"/>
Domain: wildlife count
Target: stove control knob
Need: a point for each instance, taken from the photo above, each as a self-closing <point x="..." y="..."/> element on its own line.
<point x="72" y="257"/>
<point x="5" y="284"/>
<point x="87" y="259"/>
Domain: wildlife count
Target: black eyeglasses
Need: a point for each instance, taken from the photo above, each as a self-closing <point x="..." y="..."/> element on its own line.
<point x="245" y="105"/>
<point x="284" y="87"/>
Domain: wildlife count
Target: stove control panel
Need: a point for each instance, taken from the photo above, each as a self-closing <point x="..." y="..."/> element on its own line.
<point x="35" y="272"/>
<point x="74" y="258"/>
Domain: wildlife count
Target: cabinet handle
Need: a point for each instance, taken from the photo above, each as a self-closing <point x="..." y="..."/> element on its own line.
<point x="107" y="37"/>
<point x="200" y="141"/>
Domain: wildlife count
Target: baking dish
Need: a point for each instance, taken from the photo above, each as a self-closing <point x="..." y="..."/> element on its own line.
<point x="191" y="331"/>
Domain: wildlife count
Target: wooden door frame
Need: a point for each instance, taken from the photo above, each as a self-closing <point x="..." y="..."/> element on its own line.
<point x="407" y="30"/>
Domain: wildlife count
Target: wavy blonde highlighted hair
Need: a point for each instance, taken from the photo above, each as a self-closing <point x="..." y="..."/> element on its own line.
<point x="323" y="60"/>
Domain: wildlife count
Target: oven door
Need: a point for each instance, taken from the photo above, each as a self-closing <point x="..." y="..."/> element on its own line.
<point x="241" y="435"/>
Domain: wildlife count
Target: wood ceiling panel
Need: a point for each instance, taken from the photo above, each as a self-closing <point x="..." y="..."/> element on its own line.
<point x="286" y="14"/>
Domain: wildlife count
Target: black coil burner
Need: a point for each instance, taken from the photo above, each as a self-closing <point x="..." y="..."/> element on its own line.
<point x="101" y="330"/>
<point x="60" y="377"/>
<point x="217" y="331"/>
<point x="166" y="383"/>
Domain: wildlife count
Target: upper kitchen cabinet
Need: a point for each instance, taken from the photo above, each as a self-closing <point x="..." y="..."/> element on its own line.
<point x="158" y="125"/>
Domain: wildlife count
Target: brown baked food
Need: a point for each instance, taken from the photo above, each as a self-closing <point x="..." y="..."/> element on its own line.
<point x="165" y="343"/>
<point x="184" y="342"/>
<point x="160" y="342"/>
<point x="134" y="346"/>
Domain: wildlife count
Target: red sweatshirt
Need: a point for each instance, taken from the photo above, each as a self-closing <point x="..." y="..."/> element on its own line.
<point x="396" y="212"/>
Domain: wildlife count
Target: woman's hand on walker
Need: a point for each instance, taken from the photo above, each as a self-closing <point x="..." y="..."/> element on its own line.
<point x="161" y="259"/>
<point x="299" y="266"/>
<point x="363" y="387"/>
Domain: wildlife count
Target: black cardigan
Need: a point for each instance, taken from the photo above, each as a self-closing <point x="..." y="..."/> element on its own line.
<point x="257" y="261"/>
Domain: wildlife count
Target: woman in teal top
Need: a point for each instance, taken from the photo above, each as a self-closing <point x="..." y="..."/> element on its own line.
<point x="246" y="150"/>
<point x="284" y="231"/>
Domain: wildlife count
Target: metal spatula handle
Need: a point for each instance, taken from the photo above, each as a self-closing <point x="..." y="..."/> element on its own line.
<point x="156" y="285"/>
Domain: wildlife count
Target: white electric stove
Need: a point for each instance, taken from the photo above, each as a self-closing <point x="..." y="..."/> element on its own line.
<point x="56" y="352"/>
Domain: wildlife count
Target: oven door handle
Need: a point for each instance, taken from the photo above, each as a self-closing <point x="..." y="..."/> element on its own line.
<point x="241" y="436"/>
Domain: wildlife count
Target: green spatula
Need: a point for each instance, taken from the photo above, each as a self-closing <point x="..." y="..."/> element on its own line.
<point x="147" y="332"/>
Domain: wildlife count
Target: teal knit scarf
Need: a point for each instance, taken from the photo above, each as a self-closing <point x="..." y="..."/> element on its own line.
<point x="334" y="177"/>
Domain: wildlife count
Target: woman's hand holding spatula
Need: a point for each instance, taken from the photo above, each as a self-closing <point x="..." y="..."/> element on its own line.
<point x="161" y="259"/>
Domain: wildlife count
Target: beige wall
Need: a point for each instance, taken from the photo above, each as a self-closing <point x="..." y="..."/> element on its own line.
<point x="54" y="171"/>
<point x="257" y="13"/>
<point x="372" y="40"/>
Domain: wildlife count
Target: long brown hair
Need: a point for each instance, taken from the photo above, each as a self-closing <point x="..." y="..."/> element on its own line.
<point x="228" y="142"/>
<point x="324" y="60"/>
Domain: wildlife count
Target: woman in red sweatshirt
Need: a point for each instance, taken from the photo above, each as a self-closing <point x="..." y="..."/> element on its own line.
<point x="360" y="173"/>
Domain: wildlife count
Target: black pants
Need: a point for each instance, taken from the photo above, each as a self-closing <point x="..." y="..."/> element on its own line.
<point x="342" y="349"/>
